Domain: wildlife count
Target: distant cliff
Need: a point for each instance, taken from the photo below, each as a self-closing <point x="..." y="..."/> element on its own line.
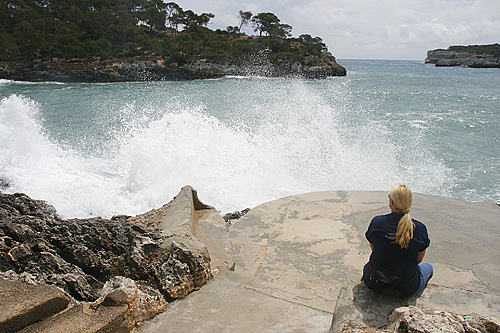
<point x="477" y="56"/>
<point x="157" y="69"/>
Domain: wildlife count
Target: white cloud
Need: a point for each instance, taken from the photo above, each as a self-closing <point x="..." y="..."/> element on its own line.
<point x="383" y="29"/>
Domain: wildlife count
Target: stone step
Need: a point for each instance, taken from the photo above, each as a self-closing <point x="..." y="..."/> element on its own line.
<point x="81" y="318"/>
<point x="22" y="305"/>
<point x="41" y="308"/>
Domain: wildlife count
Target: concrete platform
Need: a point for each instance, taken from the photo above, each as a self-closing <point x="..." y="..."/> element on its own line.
<point x="227" y="306"/>
<point x="294" y="265"/>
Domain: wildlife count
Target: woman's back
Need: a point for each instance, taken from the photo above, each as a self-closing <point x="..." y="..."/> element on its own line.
<point x="387" y="253"/>
<point x="398" y="245"/>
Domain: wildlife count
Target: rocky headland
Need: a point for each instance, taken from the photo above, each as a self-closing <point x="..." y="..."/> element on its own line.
<point x="292" y="264"/>
<point x="477" y="56"/>
<point x="156" y="69"/>
<point x="122" y="41"/>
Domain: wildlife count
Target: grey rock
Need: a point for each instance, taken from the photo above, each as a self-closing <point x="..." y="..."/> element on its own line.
<point x="183" y="272"/>
<point x="446" y="58"/>
<point x="230" y="218"/>
<point x="144" y="302"/>
<point x="417" y="320"/>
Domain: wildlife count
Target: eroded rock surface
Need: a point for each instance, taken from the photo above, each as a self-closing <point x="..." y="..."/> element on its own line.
<point x="416" y="320"/>
<point x="143" y="301"/>
<point x="156" y="69"/>
<point x="80" y="255"/>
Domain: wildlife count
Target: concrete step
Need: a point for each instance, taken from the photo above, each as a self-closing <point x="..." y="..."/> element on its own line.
<point x="41" y="308"/>
<point x="22" y="305"/>
<point x="81" y="318"/>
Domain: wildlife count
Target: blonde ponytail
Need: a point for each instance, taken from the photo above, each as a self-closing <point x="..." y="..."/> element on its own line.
<point x="402" y="197"/>
<point x="404" y="232"/>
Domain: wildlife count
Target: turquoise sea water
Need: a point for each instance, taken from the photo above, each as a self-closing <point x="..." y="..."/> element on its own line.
<point x="125" y="148"/>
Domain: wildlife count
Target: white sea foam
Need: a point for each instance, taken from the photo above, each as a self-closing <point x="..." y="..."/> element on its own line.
<point x="5" y="81"/>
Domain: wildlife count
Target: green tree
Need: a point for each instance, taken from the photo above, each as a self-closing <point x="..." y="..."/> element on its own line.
<point x="75" y="16"/>
<point x="244" y="17"/>
<point x="154" y="19"/>
<point x="101" y="48"/>
<point x="280" y="31"/>
<point x="172" y="14"/>
<point x="269" y="24"/>
<point x="232" y="30"/>
<point x="8" y="47"/>
<point x="154" y="15"/>
<point x="188" y="18"/>
<point x="313" y="45"/>
<point x="204" y="18"/>
<point x="262" y="22"/>
<point x="31" y="39"/>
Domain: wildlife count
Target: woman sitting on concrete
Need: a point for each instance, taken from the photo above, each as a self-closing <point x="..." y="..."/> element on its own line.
<point x="398" y="246"/>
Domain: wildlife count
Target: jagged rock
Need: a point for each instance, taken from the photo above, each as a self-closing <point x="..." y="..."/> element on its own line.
<point x="416" y="320"/>
<point x="16" y="205"/>
<point x="183" y="272"/>
<point x="144" y="302"/>
<point x="231" y="217"/>
<point x="80" y="255"/>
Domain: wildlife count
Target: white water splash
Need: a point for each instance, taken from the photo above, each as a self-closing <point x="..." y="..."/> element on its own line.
<point x="297" y="141"/>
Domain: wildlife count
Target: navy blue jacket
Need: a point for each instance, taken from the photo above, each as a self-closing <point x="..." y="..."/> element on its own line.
<point x="389" y="255"/>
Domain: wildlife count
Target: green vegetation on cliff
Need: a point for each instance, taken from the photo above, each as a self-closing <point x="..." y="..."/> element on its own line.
<point x="107" y="29"/>
<point x="491" y="49"/>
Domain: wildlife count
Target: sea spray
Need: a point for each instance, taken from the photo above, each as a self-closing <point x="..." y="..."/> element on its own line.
<point x="126" y="148"/>
<point x="31" y="163"/>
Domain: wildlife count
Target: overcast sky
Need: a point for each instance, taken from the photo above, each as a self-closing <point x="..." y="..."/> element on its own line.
<point x="371" y="29"/>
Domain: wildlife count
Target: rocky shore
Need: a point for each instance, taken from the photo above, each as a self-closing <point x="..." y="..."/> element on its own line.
<point x="290" y="265"/>
<point x="90" y="258"/>
<point x="156" y="69"/>
<point x="449" y="58"/>
<point x="79" y="256"/>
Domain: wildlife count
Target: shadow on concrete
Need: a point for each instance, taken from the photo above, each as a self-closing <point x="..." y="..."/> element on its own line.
<point x="359" y="305"/>
<point x="375" y="308"/>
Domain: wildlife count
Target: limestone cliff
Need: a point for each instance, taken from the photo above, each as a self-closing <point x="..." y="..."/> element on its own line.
<point x="474" y="56"/>
<point x="156" y="69"/>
